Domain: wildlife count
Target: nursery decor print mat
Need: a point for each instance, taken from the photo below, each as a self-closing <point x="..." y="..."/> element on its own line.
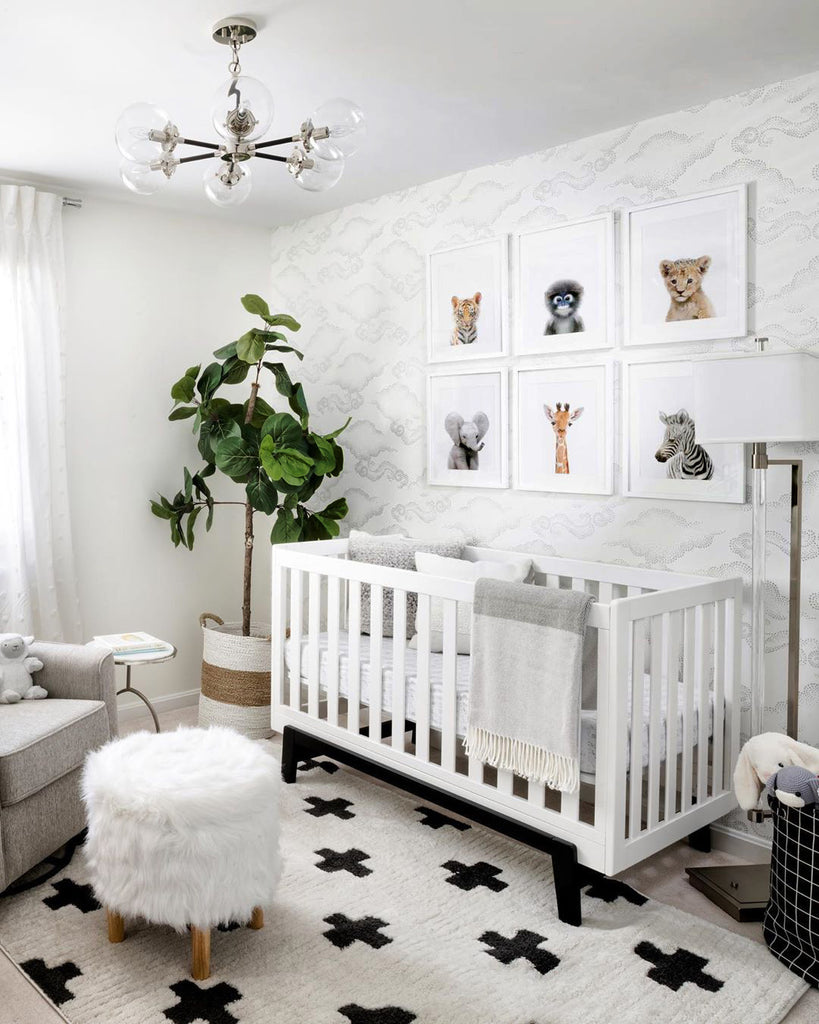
<point x="389" y="912"/>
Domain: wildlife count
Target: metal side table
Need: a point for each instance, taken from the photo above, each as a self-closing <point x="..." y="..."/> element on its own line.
<point x="129" y="660"/>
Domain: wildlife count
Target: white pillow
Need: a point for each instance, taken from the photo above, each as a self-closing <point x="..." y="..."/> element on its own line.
<point x="512" y="570"/>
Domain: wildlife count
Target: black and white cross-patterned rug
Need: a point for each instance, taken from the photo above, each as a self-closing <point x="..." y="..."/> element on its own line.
<point x="391" y="912"/>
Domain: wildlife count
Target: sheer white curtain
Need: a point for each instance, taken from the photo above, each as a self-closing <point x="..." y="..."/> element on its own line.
<point x="37" y="588"/>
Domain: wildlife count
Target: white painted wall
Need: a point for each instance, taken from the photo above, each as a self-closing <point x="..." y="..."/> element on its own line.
<point x="148" y="294"/>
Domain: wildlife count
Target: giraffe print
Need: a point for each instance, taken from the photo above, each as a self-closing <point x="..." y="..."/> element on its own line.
<point x="561" y="419"/>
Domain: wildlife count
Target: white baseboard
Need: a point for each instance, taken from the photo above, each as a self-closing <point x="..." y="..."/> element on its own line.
<point x="755" y="849"/>
<point x="127" y="710"/>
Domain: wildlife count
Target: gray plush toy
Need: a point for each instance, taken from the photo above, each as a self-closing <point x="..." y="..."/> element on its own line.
<point x="794" y="786"/>
<point x="16" y="666"/>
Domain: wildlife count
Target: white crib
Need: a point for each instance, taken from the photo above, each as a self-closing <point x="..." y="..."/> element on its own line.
<point x="665" y="643"/>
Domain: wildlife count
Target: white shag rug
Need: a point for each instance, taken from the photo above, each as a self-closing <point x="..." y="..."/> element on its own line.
<point x="390" y="912"/>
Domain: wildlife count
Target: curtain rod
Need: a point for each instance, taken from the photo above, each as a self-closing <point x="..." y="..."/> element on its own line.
<point x="77" y="203"/>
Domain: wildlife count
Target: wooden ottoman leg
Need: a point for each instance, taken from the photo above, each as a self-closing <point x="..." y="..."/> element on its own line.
<point x="116" y="926"/>
<point x="256" y="919"/>
<point x="200" y="949"/>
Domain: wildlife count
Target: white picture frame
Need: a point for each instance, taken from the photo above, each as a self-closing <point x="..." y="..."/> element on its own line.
<point x="581" y="252"/>
<point x="465" y="393"/>
<point x="710" y="226"/>
<point x="463" y="272"/>
<point x="582" y="441"/>
<point x="655" y="385"/>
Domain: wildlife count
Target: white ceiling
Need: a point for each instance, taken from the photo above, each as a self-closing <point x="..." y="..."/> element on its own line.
<point x="446" y="84"/>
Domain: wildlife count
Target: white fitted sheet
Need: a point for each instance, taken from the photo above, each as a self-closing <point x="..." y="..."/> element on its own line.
<point x="588" y="719"/>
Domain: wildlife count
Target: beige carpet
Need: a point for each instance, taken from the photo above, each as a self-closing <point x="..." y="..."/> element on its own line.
<point x="22" y="1001"/>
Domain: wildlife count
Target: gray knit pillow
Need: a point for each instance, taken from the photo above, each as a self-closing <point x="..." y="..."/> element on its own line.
<point x="398" y="553"/>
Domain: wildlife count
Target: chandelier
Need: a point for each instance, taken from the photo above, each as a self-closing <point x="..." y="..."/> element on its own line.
<point x="241" y="113"/>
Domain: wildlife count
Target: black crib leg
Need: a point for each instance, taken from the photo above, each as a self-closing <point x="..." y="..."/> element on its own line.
<point x="701" y="839"/>
<point x="290" y="754"/>
<point x="568" y="881"/>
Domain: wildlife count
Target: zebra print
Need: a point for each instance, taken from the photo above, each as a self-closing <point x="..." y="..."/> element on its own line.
<point x="683" y="457"/>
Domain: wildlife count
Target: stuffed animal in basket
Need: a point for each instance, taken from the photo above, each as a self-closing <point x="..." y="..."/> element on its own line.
<point x="794" y="786"/>
<point x="16" y="666"/>
<point x="763" y="756"/>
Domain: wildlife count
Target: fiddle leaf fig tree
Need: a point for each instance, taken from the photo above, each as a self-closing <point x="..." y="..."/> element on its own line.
<point x="274" y="454"/>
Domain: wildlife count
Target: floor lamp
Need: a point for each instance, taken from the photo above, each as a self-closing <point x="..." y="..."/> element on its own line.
<point x="759" y="398"/>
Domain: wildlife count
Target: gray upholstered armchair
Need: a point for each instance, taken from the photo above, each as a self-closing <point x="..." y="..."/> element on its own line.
<point x="43" y="744"/>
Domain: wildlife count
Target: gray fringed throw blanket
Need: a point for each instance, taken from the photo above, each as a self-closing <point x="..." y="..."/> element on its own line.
<point x="524" y="704"/>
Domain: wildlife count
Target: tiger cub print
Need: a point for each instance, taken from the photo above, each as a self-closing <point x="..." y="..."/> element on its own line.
<point x="465" y="314"/>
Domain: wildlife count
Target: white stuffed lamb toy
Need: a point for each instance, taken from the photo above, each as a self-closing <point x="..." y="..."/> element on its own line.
<point x="16" y="666"/>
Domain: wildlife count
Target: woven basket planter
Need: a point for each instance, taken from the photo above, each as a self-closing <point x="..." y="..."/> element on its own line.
<point x="235" y="677"/>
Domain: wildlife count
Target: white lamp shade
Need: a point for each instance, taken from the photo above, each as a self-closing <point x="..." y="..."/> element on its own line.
<point x="766" y="397"/>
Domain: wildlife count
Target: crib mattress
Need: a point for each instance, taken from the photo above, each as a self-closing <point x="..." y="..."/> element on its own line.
<point x="588" y="719"/>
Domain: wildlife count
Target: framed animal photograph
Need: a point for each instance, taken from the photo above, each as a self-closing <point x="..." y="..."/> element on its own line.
<point x="467" y="306"/>
<point x="563" y="438"/>
<point x="662" y="457"/>
<point x="686" y="268"/>
<point x="468" y="428"/>
<point x="565" y="287"/>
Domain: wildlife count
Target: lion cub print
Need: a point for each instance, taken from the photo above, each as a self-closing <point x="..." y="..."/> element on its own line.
<point x="683" y="279"/>
<point x="465" y="313"/>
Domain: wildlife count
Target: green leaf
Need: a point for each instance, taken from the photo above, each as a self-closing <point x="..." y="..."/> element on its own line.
<point x="326" y="460"/>
<point x="209" y="520"/>
<point x="188" y="483"/>
<point x="340" y="430"/>
<point x="234" y="370"/>
<point x="330" y="525"/>
<point x="191" y="523"/>
<point x="283" y="430"/>
<point x="184" y="389"/>
<point x="250" y="347"/>
<point x="226" y="351"/>
<point x="237" y="458"/>
<point x="281" y="320"/>
<point x="286" y="529"/>
<point x="262" y="494"/>
<point x="261" y="411"/>
<point x="255" y="304"/>
<point x="335" y="510"/>
<point x="283" y="383"/>
<point x="182" y="412"/>
<point x="298" y="403"/>
<point x="160" y="511"/>
<point x="202" y="489"/>
<point x="339" y="451"/>
<point x="284" y="348"/>
<point x="209" y="470"/>
<point x="210" y="380"/>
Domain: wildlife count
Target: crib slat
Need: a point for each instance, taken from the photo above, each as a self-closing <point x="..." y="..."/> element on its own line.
<point x="354" y="656"/>
<point x="278" y="639"/>
<point x="296" y="616"/>
<point x="422" y="680"/>
<point x="704" y="617"/>
<point x="313" y="652"/>
<point x="658" y="631"/>
<point x="399" y="674"/>
<point x="333" y="614"/>
<point x="635" y="813"/>
<point x="536" y="794"/>
<point x="570" y="805"/>
<point x="672" y="718"/>
<point x="553" y="580"/>
<point x="603" y="689"/>
<point x="687" y="779"/>
<point x="717" y="745"/>
<point x="450" y="667"/>
<point x="606" y="593"/>
<point x="376" y="650"/>
<point x="733" y="656"/>
<point x="506" y="782"/>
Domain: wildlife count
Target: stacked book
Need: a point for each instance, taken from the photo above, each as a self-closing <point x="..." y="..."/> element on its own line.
<point x="133" y="644"/>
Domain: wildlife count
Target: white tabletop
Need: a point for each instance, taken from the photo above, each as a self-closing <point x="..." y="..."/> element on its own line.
<point x="148" y="657"/>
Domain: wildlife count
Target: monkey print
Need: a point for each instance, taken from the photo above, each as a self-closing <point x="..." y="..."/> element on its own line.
<point x="563" y="300"/>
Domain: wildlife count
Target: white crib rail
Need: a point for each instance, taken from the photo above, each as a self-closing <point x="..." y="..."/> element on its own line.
<point x="665" y="642"/>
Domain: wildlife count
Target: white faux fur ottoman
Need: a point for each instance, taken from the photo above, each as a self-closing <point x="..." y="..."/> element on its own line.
<point x="183" y="831"/>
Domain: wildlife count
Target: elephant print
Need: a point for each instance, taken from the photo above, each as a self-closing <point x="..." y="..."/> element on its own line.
<point x="467" y="439"/>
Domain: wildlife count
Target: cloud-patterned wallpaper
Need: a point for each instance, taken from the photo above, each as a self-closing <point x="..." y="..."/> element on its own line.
<point x="356" y="279"/>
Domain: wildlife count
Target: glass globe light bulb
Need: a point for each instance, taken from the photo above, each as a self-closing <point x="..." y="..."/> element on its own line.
<point x="133" y="128"/>
<point x="242" y="109"/>
<point x="324" y="173"/>
<point x="347" y="125"/>
<point x="140" y="178"/>
<point x="227" y="184"/>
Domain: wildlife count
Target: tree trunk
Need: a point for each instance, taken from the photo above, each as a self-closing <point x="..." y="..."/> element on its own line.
<point x="248" y="569"/>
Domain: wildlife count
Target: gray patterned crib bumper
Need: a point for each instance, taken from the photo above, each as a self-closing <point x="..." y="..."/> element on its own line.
<point x="791" y="925"/>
